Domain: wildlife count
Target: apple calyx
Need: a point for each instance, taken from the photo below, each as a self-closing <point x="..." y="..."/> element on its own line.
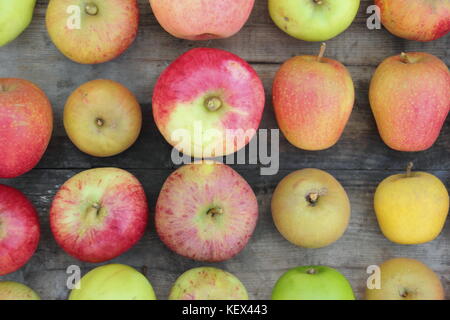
<point x="216" y="211"/>
<point x="99" y="122"/>
<point x="91" y="9"/>
<point x="311" y="271"/>
<point x="213" y="103"/>
<point x="409" y="169"/>
<point x="312" y="198"/>
<point x="323" y="47"/>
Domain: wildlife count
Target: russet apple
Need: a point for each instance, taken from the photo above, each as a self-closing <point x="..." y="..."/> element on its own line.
<point x="15" y="17"/>
<point x="313" y="98"/>
<point x="26" y="124"/>
<point x="102" y="118"/>
<point x="206" y="211"/>
<point x="406" y="279"/>
<point x="207" y="283"/>
<point x="19" y="230"/>
<point x="310" y="208"/>
<point x="106" y="28"/>
<point x="313" y="20"/>
<point x="208" y="103"/>
<point x="113" y="282"/>
<point x="411" y="208"/>
<point x="410" y="99"/>
<point x="10" y="290"/>
<point x="312" y="283"/>
<point x="98" y="214"/>
<point x="420" y="20"/>
<point x="202" y="19"/>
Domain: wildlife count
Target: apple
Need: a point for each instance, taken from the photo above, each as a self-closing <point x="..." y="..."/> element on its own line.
<point x="411" y="208"/>
<point x="313" y="98"/>
<point x="310" y="208"/>
<point x="102" y="118"/>
<point x="98" y="214"/>
<point x="200" y="19"/>
<point x="26" y="124"/>
<point x="406" y="279"/>
<point x="10" y="290"/>
<point x="207" y="283"/>
<point x="15" y="17"/>
<point x="206" y="212"/>
<point x="96" y="31"/>
<point x="19" y="230"/>
<point x="113" y="282"/>
<point x="313" y="20"/>
<point x="420" y="20"/>
<point x="208" y="103"/>
<point x="312" y="283"/>
<point x="409" y="96"/>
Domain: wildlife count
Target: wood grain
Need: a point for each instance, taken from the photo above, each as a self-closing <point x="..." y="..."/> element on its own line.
<point x="360" y="160"/>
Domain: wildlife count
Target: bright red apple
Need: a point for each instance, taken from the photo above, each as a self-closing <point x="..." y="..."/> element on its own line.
<point x="208" y="102"/>
<point x="202" y="19"/>
<point x="19" y="230"/>
<point x="93" y="31"/>
<point x="99" y="214"/>
<point x="206" y="212"/>
<point x="26" y="124"/>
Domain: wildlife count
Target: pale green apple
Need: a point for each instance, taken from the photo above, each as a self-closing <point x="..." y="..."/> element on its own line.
<point x="15" y="16"/>
<point x="312" y="283"/>
<point x="313" y="20"/>
<point x="113" y="282"/>
<point x="10" y="290"/>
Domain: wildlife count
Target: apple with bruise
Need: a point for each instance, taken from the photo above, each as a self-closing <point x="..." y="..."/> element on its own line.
<point x="98" y="214"/>
<point x="206" y="212"/>
<point x="26" y="124"/>
<point x="208" y="103"/>
<point x="92" y="31"/>
<point x="202" y="19"/>
<point x="19" y="230"/>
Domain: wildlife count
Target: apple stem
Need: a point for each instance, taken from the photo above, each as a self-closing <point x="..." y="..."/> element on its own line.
<point x="215" y="211"/>
<point x="311" y="271"/>
<point x="318" y="1"/>
<point x="312" y="198"/>
<point x="213" y="103"/>
<point x="409" y="169"/>
<point x="99" y="122"/>
<point x="405" y="58"/>
<point x="323" y="47"/>
<point x="91" y="9"/>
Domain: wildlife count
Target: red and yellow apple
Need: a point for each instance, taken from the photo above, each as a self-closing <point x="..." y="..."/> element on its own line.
<point x="104" y="30"/>
<point x="10" y="290"/>
<point x="26" y="124"/>
<point x="420" y="20"/>
<point x="102" y="118"/>
<point x="206" y="211"/>
<point x="410" y="99"/>
<point x="202" y="19"/>
<point x="19" y="230"/>
<point x="98" y="214"/>
<point x="208" y="103"/>
<point x="207" y="283"/>
<point x="313" y="98"/>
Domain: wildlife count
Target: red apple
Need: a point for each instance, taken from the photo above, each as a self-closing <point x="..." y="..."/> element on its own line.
<point x="208" y="102"/>
<point x="19" y="230"/>
<point x="202" y="19"/>
<point x="99" y="214"/>
<point x="106" y="28"/>
<point x="26" y="124"/>
<point x="206" y="212"/>
<point x="420" y="20"/>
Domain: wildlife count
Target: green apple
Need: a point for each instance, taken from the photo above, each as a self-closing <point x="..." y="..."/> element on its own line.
<point x="15" y="16"/>
<point x="312" y="283"/>
<point x="113" y="282"/>
<point x="313" y="20"/>
<point x="10" y="290"/>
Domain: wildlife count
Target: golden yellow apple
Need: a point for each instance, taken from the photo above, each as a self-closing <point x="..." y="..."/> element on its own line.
<point x="411" y="208"/>
<point x="310" y="208"/>
<point x="406" y="279"/>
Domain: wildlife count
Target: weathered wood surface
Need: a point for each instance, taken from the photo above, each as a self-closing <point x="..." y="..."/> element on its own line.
<point x="360" y="160"/>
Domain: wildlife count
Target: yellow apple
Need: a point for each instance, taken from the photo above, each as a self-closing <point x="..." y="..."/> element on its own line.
<point x="113" y="282"/>
<point x="310" y="208"/>
<point x="10" y="290"/>
<point x="411" y="208"/>
<point x="406" y="279"/>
